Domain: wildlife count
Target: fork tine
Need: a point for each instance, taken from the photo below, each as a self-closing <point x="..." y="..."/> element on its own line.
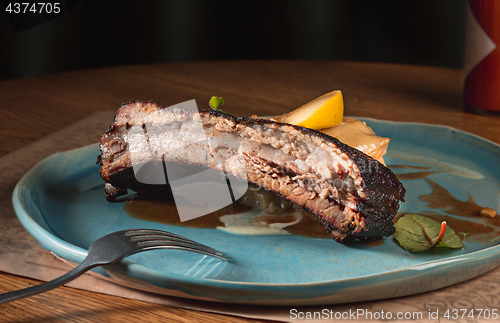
<point x="147" y="234"/>
<point x="151" y="231"/>
<point x="170" y="241"/>
<point x="154" y="239"/>
<point x="148" y="245"/>
<point x="157" y="238"/>
<point x="137" y="232"/>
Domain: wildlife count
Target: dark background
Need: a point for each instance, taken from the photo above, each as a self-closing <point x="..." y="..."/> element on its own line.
<point x="94" y="34"/>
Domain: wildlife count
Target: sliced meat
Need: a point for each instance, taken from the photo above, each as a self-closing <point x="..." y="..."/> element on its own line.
<point x="352" y="195"/>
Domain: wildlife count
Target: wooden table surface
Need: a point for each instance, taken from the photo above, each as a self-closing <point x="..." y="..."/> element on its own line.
<point x="33" y="108"/>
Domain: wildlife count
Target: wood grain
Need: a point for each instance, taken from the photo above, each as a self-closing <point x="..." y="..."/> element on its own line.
<point x="32" y="108"/>
<point x="38" y="106"/>
<point x="70" y="305"/>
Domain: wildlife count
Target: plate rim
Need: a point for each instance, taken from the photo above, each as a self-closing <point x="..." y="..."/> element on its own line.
<point x="37" y="231"/>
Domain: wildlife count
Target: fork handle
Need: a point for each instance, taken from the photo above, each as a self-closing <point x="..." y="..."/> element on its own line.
<point x="37" y="289"/>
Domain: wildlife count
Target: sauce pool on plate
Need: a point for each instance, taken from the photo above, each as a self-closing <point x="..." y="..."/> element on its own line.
<point x="261" y="212"/>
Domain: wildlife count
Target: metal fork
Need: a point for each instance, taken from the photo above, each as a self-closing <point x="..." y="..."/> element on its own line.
<point x="111" y="249"/>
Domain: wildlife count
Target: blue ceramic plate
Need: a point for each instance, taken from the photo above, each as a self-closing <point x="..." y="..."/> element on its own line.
<point x="61" y="203"/>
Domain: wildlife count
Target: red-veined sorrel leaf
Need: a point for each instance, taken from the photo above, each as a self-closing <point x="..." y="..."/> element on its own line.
<point x="417" y="233"/>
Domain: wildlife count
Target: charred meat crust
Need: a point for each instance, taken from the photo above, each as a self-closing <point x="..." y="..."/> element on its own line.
<point x="376" y="203"/>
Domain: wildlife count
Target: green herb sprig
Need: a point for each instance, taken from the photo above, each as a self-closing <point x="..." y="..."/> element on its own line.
<point x="215" y="102"/>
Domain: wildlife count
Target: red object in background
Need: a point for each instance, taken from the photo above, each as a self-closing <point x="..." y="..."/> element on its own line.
<point x="482" y="82"/>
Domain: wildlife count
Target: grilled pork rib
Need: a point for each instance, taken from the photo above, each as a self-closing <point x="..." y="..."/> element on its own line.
<point x="352" y="195"/>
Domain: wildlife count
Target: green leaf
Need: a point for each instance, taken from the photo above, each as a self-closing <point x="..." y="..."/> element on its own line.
<point x="215" y="102"/>
<point x="450" y="240"/>
<point x="417" y="233"/>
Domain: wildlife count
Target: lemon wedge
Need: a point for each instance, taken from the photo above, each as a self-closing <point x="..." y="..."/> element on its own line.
<point x="323" y="112"/>
<point x="326" y="114"/>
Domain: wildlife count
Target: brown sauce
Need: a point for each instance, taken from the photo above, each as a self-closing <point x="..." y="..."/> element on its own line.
<point x="160" y="208"/>
<point x="415" y="175"/>
<point x="309" y="226"/>
<point x="408" y="166"/>
<point x="373" y="243"/>
<point x="462" y="216"/>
